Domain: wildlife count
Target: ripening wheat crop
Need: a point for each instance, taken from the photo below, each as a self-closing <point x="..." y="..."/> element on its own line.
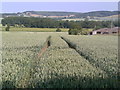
<point x="18" y="51"/>
<point x="45" y="60"/>
<point x="64" y="67"/>
<point x="100" y="51"/>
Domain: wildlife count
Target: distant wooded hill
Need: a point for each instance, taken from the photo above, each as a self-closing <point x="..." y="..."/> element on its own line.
<point x="98" y="14"/>
<point x="56" y="13"/>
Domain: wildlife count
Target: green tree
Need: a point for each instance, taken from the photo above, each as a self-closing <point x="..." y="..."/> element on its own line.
<point x="75" y="29"/>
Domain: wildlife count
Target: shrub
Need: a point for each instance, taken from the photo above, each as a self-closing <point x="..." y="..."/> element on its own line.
<point x="58" y="30"/>
<point x="7" y="28"/>
<point x="74" y="31"/>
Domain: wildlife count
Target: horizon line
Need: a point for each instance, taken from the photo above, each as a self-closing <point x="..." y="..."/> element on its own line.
<point x="60" y="11"/>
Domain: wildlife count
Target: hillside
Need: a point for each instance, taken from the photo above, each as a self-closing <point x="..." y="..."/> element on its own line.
<point x="51" y="13"/>
<point x="60" y="14"/>
<point x="77" y="14"/>
<point x="97" y="14"/>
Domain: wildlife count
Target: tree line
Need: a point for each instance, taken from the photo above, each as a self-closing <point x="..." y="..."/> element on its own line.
<point x="52" y="23"/>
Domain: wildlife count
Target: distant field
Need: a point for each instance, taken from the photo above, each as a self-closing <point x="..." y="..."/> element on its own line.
<point x="80" y="19"/>
<point x="107" y="18"/>
<point x="40" y="29"/>
<point x="74" y="19"/>
<point x="35" y="29"/>
<point x="112" y="18"/>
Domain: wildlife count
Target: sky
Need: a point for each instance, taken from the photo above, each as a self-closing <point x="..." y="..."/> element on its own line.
<point x="14" y="7"/>
<point x="60" y="0"/>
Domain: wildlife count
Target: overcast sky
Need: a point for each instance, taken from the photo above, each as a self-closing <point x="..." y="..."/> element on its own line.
<point x="58" y="6"/>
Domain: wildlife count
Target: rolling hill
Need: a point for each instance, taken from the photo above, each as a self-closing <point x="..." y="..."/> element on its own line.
<point x="101" y="15"/>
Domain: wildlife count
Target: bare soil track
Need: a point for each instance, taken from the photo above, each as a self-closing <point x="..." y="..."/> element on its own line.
<point x="45" y="46"/>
